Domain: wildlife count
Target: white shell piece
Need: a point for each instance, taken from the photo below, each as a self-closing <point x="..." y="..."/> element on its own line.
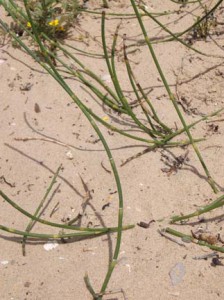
<point x="50" y="245"/>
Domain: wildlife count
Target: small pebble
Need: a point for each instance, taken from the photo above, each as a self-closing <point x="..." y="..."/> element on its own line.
<point x="4" y="262"/>
<point x="69" y="154"/>
<point x="50" y="245"/>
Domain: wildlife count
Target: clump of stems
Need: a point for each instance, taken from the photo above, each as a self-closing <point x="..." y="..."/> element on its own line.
<point x="157" y="134"/>
<point x="173" y="99"/>
<point x="49" y="66"/>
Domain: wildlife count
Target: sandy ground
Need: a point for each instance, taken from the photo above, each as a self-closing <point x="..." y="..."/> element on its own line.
<point x="43" y="111"/>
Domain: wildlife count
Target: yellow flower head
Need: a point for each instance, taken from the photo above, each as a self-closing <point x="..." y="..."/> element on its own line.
<point x="28" y="24"/>
<point x="54" y="23"/>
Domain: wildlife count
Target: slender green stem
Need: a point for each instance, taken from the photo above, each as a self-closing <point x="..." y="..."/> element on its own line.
<point x="178" y="132"/>
<point x="106" y="124"/>
<point x="190" y="238"/>
<point x="96" y="117"/>
<point x="113" y="73"/>
<point x="130" y="15"/>
<point x="36" y="214"/>
<point x="85" y="69"/>
<point x="63" y="226"/>
<point x="105" y="46"/>
<point x="172" y="98"/>
<point x="78" y="73"/>
<point x="181" y="2"/>
<point x="197" y="22"/>
<point x="57" y="76"/>
<point x="134" y="85"/>
<point x="201" y="210"/>
<point x="90" y="288"/>
<point x="172" y="34"/>
<point x="50" y="236"/>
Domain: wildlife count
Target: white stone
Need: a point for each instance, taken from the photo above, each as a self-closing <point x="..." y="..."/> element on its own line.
<point x="51" y="245"/>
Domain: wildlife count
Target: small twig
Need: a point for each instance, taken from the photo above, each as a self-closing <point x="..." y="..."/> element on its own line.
<point x="45" y="140"/>
<point x="2" y="178"/>
<point x="138" y="155"/>
<point x="144" y="224"/>
<point x="102" y="165"/>
<point x="56" y="207"/>
<point x="88" y="193"/>
<point x="174" y="164"/>
<point x="170" y="238"/>
<point x="206" y="256"/>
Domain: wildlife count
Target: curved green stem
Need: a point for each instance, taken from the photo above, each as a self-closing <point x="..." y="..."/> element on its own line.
<point x="40" y="206"/>
<point x="202" y="210"/>
<point x="190" y="238"/>
<point x="173" y="100"/>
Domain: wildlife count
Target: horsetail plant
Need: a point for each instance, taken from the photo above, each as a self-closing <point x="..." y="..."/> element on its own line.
<point x="86" y="230"/>
<point x="49" y="66"/>
<point x="173" y="99"/>
<point x="157" y="134"/>
<point x="112" y="99"/>
<point x="39" y="208"/>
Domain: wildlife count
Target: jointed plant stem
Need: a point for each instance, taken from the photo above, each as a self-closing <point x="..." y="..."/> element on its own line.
<point x="190" y="238"/>
<point x="202" y="210"/>
<point x="58" y="225"/>
<point x="134" y="82"/>
<point x="36" y="214"/>
<point x="118" y="102"/>
<point x="175" y="37"/>
<point x="52" y="70"/>
<point x="104" y="98"/>
<point x="172" y="98"/>
<point x="51" y="236"/>
<point x="197" y="22"/>
<point x="118" y="87"/>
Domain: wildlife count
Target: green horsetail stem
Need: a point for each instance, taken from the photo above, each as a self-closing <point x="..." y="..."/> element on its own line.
<point x="135" y="84"/>
<point x="190" y="238"/>
<point x="54" y="73"/>
<point x="40" y="206"/>
<point x="201" y="210"/>
<point x="90" y="73"/>
<point x="51" y="236"/>
<point x="204" y="17"/>
<point x="58" y="225"/>
<point x="117" y="84"/>
<point x="175" y="37"/>
<point x="210" y="180"/>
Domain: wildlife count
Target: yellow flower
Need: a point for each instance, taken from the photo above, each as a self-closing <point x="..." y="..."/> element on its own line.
<point x="54" y="23"/>
<point x="28" y="24"/>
